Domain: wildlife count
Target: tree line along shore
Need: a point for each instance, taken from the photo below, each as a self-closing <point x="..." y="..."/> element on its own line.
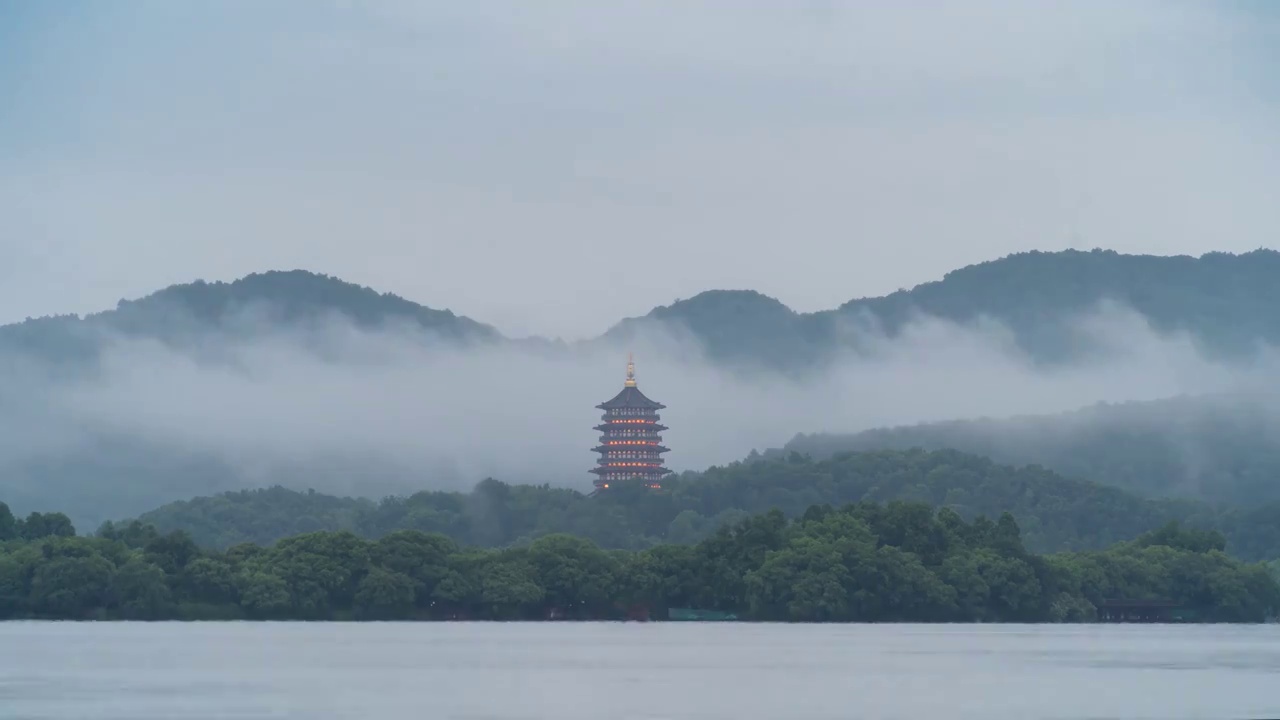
<point x="861" y="562"/>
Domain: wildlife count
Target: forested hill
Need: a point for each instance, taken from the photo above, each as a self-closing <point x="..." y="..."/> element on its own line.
<point x="1056" y="513"/>
<point x="257" y="304"/>
<point x="1227" y="303"/>
<point x="96" y="468"/>
<point x="1222" y="449"/>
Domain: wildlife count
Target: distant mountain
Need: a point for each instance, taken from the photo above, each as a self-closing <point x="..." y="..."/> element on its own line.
<point x="1227" y="303"/>
<point x="1221" y="448"/>
<point x="257" y="304"/>
<point x="741" y="327"/>
<point x="286" y="297"/>
<point x="98" y="472"/>
<point x="1226" y="300"/>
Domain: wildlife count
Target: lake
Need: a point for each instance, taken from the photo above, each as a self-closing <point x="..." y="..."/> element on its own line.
<point x="615" y="671"/>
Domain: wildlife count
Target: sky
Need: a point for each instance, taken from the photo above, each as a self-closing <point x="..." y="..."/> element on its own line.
<point x="552" y="167"/>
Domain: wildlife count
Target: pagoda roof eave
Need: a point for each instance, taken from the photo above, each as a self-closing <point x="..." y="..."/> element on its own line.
<point x="630" y="397"/>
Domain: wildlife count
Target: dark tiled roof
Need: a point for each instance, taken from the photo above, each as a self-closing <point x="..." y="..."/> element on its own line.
<point x="630" y="397"/>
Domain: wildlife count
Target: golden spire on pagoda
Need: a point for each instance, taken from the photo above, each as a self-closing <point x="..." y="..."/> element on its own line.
<point x="631" y="371"/>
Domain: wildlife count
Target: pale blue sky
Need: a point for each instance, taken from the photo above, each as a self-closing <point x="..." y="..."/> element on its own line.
<point x="510" y="160"/>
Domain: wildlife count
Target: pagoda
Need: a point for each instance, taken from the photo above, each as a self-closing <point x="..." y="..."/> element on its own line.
<point x="630" y="446"/>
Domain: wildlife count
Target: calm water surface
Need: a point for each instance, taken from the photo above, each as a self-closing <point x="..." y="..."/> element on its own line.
<point x="71" y="671"/>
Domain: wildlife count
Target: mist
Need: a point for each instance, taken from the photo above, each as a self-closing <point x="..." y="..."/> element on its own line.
<point x="392" y="411"/>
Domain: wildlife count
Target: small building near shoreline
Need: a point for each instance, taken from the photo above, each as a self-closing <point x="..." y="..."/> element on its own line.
<point x="1150" y="610"/>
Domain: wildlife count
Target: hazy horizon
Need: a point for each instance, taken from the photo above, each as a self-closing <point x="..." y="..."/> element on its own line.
<point x="586" y="338"/>
<point x="550" y="169"/>
<point x="372" y="412"/>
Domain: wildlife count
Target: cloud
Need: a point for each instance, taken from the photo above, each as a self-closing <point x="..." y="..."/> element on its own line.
<point x="370" y="413"/>
<point x="552" y="167"/>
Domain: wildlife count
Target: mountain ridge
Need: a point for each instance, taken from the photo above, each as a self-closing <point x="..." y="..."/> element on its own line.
<point x="115" y="473"/>
<point x="1226" y="302"/>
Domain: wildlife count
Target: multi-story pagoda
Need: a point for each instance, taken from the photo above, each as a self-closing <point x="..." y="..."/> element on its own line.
<point x="630" y="446"/>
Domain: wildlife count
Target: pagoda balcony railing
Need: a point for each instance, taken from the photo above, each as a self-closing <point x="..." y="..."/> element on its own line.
<point x="631" y="412"/>
<point x="630" y="467"/>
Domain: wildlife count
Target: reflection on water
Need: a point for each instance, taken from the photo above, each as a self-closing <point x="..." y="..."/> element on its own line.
<point x="565" y="671"/>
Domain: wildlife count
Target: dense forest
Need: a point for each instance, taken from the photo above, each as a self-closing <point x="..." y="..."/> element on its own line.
<point x="1222" y="448"/>
<point x="1057" y="513"/>
<point x="863" y="562"/>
